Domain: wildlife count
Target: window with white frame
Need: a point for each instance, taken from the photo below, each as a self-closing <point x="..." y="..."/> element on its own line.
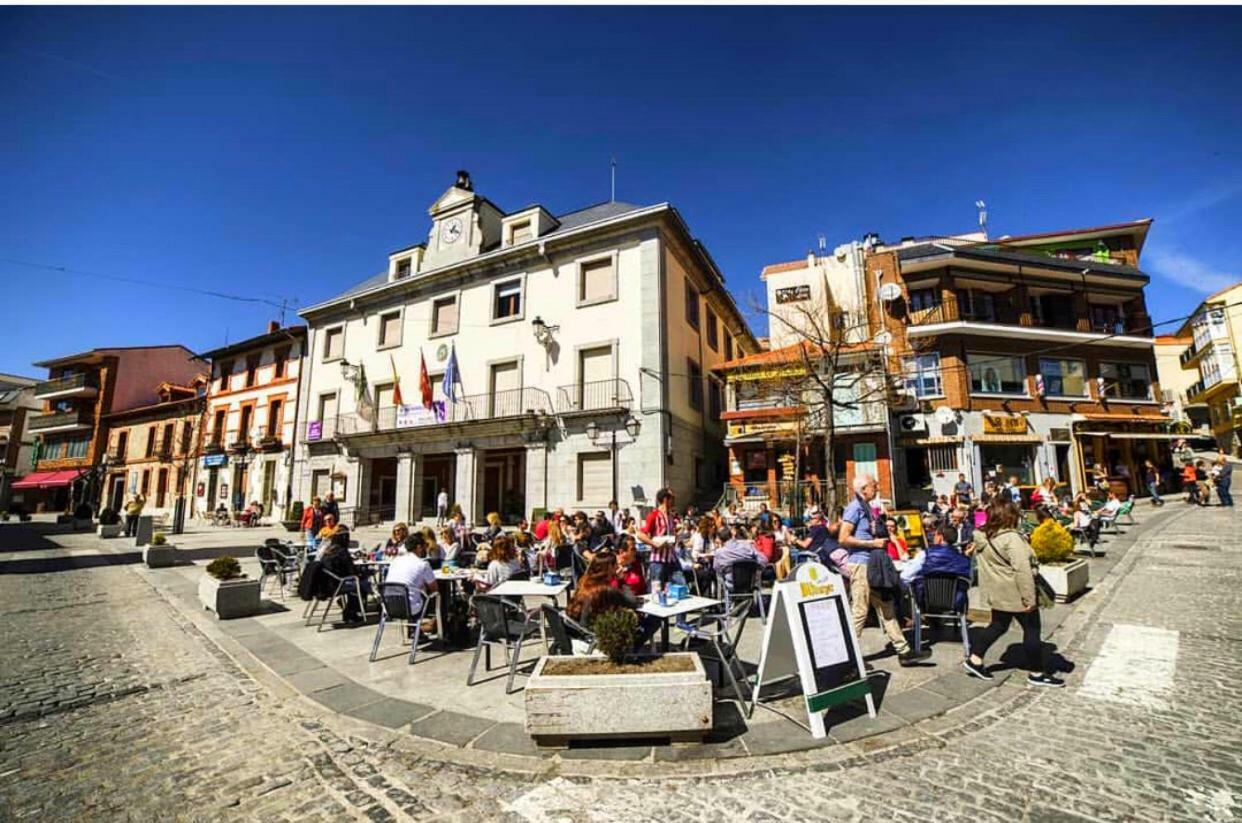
<point x="327" y="406"/>
<point x="1130" y="381"/>
<point x="404" y="267"/>
<point x="1063" y="378"/>
<point x="444" y="315"/>
<point x="334" y="343"/>
<point x="508" y="299"/>
<point x="597" y="280"/>
<point x="996" y="374"/>
<point x="922" y="374"/>
<point x="389" y="329"/>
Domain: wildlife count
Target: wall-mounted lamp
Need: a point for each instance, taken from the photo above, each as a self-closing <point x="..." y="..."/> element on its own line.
<point x="543" y="332"/>
<point x="633" y="425"/>
<point x="592" y="431"/>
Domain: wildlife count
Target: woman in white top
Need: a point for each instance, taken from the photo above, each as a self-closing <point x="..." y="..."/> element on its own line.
<point x="448" y="545"/>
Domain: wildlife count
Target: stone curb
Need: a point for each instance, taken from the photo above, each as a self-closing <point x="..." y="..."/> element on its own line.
<point x="906" y="736"/>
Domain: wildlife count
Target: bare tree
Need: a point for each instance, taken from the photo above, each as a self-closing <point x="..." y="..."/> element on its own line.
<point x="833" y="368"/>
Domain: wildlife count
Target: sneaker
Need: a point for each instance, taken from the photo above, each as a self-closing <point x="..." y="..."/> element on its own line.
<point x="1045" y="680"/>
<point x="976" y="671"/>
<point x="910" y="657"/>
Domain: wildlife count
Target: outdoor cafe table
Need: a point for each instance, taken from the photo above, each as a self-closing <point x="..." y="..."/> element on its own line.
<point x="686" y="605"/>
<point x="531" y="588"/>
<point x="448" y="582"/>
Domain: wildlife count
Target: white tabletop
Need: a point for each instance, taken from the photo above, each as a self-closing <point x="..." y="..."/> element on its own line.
<point x="528" y="588"/>
<point x="686" y="605"/>
<point x="459" y="574"/>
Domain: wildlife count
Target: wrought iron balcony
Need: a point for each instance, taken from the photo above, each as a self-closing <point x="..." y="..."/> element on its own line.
<point x="594" y="395"/>
<point x="268" y="439"/>
<point x="511" y="404"/>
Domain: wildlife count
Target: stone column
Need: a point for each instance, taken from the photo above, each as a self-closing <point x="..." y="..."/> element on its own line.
<point x="536" y="478"/>
<point x="405" y="488"/>
<point x="467" y="463"/>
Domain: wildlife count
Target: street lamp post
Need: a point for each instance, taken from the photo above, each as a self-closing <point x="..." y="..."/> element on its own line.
<point x="632" y="426"/>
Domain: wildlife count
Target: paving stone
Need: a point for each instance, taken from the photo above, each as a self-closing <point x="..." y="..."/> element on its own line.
<point x="390" y="712"/>
<point x="343" y="698"/>
<point x="451" y="727"/>
<point x="509" y="738"/>
<point x="310" y="681"/>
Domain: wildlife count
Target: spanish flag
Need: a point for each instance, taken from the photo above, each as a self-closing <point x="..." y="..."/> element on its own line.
<point x="424" y="382"/>
<point x="396" y="384"/>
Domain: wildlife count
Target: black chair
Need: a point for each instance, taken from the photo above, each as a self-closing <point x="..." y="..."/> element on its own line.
<point x="1088" y="535"/>
<point x="500" y="624"/>
<point x="938" y="598"/>
<point x="275" y="564"/>
<point x="742" y="580"/>
<point x="395" y="605"/>
<point x="342" y="589"/>
<point x="563" y="630"/>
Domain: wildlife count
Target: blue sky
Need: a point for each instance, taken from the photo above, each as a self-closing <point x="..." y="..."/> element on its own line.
<point x="282" y="152"/>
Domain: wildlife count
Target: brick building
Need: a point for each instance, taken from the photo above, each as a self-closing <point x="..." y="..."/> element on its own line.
<point x="1033" y="354"/>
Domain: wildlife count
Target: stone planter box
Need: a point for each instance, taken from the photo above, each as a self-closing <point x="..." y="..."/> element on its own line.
<point x="229" y="598"/>
<point x="111" y="531"/>
<point x="1068" y="580"/>
<point x="675" y="705"/>
<point x="159" y="557"/>
<point x="292" y="525"/>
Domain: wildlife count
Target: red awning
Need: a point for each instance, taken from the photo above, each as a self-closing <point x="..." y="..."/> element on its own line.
<point x="47" y="480"/>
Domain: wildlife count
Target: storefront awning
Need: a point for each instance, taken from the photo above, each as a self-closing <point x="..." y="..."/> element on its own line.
<point x="47" y="480"/>
<point x="1025" y="439"/>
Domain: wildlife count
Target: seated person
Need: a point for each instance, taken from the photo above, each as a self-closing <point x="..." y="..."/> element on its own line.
<point x="447" y="545"/>
<point x="734" y="548"/>
<point x="1111" y="506"/>
<point x="326" y="533"/>
<point x="502" y="563"/>
<point x="629" y="574"/>
<point x="896" y="546"/>
<point x="765" y="544"/>
<point x="941" y="557"/>
<point x="494" y="528"/>
<point x="596" y="594"/>
<point x="395" y="544"/>
<point x="411" y="568"/>
<point x="963" y="525"/>
<point x="336" y="559"/>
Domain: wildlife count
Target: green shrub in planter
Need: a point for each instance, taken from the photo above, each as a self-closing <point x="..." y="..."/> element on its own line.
<point x="158" y="539"/>
<point x="224" y="568"/>
<point x="108" y="517"/>
<point x="616" y="631"/>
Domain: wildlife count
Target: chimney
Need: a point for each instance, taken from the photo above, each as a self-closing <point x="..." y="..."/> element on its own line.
<point x="463" y="181"/>
<point x="272" y="327"/>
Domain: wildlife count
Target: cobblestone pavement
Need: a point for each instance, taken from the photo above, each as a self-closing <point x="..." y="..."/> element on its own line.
<point x="113" y="706"/>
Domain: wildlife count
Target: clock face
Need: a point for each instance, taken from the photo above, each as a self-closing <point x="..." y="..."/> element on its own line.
<point x="451" y="230"/>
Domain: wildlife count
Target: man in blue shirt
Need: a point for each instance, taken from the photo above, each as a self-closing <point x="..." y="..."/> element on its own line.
<point x="858" y="535"/>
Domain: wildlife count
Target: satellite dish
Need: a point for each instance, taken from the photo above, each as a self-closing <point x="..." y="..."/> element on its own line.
<point x="890" y="292"/>
<point x="883" y="338"/>
<point x="945" y="415"/>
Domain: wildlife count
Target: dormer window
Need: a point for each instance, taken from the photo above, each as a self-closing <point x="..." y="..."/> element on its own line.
<point x="404" y="266"/>
<point x="521" y="232"/>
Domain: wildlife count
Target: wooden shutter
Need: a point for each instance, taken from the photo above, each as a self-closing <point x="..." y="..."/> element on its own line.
<point x="445" y="321"/>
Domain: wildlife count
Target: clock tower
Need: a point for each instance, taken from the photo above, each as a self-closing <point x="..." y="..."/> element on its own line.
<point x="463" y="224"/>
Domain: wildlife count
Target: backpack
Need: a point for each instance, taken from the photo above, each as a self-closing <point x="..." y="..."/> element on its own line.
<point x="456" y="628"/>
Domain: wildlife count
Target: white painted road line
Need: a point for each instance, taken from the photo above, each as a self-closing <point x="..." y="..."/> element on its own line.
<point x="1135" y="667"/>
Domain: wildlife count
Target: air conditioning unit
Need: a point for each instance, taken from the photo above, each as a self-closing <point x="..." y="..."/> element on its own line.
<point x="911" y="423"/>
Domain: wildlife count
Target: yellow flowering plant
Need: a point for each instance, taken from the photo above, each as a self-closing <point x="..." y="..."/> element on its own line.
<point x="1052" y="542"/>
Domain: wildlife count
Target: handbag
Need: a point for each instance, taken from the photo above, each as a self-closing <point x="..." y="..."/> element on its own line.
<point x="1045" y="597"/>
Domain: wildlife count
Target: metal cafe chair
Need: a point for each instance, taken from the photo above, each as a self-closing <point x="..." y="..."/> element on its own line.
<point x="742" y="580"/>
<point x="500" y="624"/>
<point x="563" y="631"/>
<point x="722" y="633"/>
<point x="940" y="601"/>
<point x="394" y="601"/>
<point x="348" y="586"/>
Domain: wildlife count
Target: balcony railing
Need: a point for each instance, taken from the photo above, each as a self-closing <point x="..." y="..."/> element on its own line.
<point x="117" y="456"/>
<point x="792" y="497"/>
<point x="76" y="419"/>
<point x="317" y="430"/>
<point x="69" y="384"/>
<point x="594" y="395"/>
<point x="475" y="408"/>
<point x="1002" y="312"/>
<point x="239" y="442"/>
<point x="1192" y="351"/>
<point x="266" y="439"/>
<point x="213" y="446"/>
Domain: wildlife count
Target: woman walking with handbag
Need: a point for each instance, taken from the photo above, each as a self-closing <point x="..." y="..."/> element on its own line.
<point x="1007" y="580"/>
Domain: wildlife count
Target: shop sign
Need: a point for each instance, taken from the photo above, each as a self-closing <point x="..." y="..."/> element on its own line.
<point x="411" y="416"/>
<point x="213" y="461"/>
<point x="314" y="430"/>
<point x="793" y="294"/>
<point x="742" y="429"/>
<point x="1004" y="424"/>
